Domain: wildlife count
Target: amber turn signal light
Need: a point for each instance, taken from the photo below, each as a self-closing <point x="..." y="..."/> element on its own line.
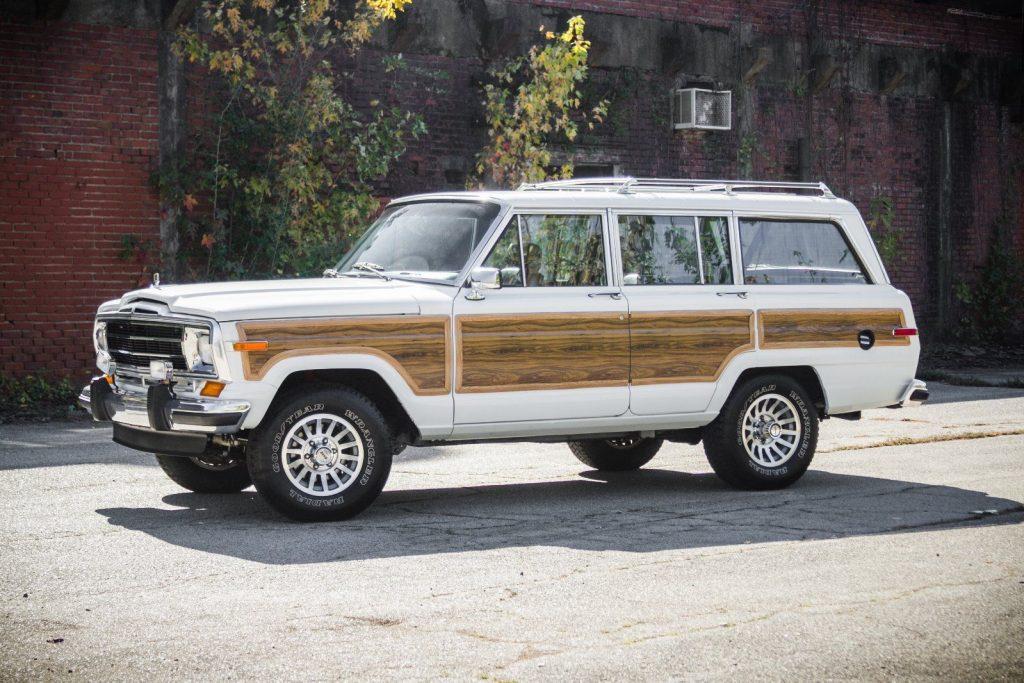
<point x="251" y="346"/>
<point x="212" y="389"/>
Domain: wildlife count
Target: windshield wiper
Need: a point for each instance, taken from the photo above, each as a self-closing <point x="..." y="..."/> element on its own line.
<point x="373" y="268"/>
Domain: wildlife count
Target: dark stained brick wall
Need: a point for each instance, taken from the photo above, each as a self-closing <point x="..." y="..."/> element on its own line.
<point x="78" y="141"/>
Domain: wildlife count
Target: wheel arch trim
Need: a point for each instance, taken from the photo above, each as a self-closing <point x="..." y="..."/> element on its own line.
<point x="429" y="415"/>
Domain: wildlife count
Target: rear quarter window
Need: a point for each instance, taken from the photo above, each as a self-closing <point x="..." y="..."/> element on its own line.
<point x="797" y="252"/>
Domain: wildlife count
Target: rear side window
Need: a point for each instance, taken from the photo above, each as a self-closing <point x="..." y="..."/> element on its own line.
<point x="792" y="252"/>
<point x="675" y="250"/>
<point x="659" y="250"/>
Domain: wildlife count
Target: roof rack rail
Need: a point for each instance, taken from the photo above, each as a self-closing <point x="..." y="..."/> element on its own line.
<point x="630" y="185"/>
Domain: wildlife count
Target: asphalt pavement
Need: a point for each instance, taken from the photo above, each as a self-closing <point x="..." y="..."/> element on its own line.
<point x="899" y="555"/>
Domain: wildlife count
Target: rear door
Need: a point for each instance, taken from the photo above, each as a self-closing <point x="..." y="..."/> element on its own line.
<point x="553" y="342"/>
<point x="688" y="317"/>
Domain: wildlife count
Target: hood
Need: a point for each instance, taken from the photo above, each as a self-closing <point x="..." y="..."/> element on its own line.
<point x="301" y="298"/>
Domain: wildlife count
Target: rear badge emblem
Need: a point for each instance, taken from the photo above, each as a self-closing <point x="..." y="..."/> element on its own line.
<point x="866" y="339"/>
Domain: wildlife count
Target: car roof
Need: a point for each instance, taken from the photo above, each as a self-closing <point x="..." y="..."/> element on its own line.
<point x="691" y="200"/>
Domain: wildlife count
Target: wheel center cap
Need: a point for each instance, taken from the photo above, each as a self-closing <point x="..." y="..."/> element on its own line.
<point x="322" y="456"/>
<point x="774" y="430"/>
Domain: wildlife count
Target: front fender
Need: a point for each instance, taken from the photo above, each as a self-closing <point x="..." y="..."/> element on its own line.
<point x="431" y="413"/>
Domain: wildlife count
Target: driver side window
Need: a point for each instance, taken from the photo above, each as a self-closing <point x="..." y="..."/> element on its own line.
<point x="551" y="250"/>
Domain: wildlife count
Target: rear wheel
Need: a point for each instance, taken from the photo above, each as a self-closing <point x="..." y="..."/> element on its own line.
<point x="616" y="455"/>
<point x="765" y="435"/>
<point x="322" y="457"/>
<point x="205" y="476"/>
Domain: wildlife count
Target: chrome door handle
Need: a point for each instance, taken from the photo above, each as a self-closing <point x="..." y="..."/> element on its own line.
<point x="742" y="295"/>
<point x="613" y="295"/>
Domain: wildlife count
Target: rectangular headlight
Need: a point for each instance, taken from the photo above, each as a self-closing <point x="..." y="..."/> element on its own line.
<point x="99" y="335"/>
<point x="197" y="348"/>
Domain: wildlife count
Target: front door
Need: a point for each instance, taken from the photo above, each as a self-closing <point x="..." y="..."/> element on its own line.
<point x="688" y="318"/>
<point x="553" y="342"/>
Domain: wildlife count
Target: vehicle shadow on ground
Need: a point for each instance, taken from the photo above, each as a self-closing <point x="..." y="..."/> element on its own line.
<point x="645" y="511"/>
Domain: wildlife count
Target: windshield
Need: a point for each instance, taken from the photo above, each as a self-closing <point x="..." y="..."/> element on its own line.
<point x="429" y="240"/>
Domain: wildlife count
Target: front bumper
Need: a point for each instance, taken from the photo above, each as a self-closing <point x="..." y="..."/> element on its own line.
<point x="159" y="410"/>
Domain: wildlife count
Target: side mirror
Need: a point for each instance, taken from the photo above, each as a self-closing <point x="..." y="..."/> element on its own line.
<point x="483" y="278"/>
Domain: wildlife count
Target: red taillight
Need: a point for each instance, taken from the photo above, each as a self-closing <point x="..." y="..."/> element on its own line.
<point x="904" y="332"/>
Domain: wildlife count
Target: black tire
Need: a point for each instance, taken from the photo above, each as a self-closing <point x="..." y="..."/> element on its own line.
<point x="194" y="475"/>
<point x="616" y="455"/>
<point x="724" y="438"/>
<point x="355" y="491"/>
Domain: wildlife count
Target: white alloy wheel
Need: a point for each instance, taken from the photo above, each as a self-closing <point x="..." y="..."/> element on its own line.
<point x="771" y="430"/>
<point x="322" y="454"/>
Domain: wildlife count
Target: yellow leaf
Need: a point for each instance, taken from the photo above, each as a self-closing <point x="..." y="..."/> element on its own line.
<point x="235" y="18"/>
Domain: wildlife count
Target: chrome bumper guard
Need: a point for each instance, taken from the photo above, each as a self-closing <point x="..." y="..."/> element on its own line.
<point x="161" y="411"/>
<point x="915" y="394"/>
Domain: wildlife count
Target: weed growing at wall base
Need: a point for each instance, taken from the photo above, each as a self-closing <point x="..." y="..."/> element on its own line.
<point x="34" y="397"/>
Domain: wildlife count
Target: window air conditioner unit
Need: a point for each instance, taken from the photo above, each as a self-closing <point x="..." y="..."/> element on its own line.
<point x="701" y="109"/>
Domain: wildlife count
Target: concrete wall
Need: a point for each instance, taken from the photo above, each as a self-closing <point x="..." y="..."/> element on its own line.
<point x="905" y="100"/>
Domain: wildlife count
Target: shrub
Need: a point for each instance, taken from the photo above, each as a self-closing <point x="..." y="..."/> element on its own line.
<point x="278" y="179"/>
<point x="534" y="101"/>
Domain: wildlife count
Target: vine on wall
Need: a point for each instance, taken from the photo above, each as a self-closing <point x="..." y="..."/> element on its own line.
<point x="534" y="102"/>
<point x="277" y="181"/>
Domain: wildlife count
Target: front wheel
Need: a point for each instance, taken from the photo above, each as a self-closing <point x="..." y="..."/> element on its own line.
<point x="322" y="457"/>
<point x="616" y="455"/>
<point x="765" y="435"/>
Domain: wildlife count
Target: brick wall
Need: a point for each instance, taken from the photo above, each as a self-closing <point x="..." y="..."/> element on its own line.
<point x="912" y="24"/>
<point x="78" y="141"/>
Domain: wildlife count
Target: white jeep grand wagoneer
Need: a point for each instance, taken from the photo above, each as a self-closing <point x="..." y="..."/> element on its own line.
<point x="610" y="314"/>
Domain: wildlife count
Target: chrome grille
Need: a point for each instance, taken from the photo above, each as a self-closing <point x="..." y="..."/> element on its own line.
<point x="135" y="343"/>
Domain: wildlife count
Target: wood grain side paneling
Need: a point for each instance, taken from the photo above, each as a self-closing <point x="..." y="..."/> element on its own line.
<point x="691" y="346"/>
<point x="541" y="351"/>
<point x="417" y="347"/>
<point x="820" y="328"/>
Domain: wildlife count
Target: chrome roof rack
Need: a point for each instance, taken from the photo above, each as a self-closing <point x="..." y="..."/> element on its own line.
<point x="630" y="185"/>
